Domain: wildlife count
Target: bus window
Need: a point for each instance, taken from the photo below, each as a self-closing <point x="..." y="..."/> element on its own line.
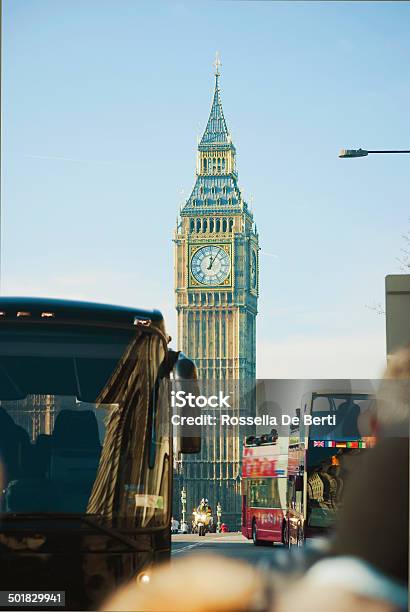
<point x="73" y="420"/>
<point x="347" y="410"/>
<point x="265" y="493"/>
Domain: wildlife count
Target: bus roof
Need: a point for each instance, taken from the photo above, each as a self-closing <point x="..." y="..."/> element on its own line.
<point x="39" y="309"/>
<point x="342" y="395"/>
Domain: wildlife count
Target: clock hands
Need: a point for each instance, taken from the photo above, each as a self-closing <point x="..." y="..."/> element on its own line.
<point x="211" y="261"/>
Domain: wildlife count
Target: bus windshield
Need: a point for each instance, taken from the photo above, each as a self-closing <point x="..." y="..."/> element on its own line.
<point x="349" y="412"/>
<point x="76" y="429"/>
<point x="50" y="451"/>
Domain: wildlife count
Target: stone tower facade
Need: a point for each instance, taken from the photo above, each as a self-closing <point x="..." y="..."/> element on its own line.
<point x="216" y="290"/>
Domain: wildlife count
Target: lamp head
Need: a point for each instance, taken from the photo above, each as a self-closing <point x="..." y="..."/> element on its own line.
<point x="353" y="153"/>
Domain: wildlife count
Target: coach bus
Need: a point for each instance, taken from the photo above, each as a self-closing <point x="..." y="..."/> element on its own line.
<point x="292" y="486"/>
<point x="85" y="449"/>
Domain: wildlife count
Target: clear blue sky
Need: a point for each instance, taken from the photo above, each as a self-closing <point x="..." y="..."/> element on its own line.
<point x="102" y="104"/>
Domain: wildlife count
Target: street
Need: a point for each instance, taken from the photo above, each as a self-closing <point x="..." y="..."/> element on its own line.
<point x="232" y="545"/>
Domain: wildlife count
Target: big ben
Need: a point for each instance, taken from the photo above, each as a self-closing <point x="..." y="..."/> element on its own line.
<point x="216" y="289"/>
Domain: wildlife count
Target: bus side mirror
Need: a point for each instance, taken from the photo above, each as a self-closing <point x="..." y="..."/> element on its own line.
<point x="185" y="378"/>
<point x="188" y="445"/>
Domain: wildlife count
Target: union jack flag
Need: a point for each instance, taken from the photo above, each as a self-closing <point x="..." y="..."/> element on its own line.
<point x="319" y="443"/>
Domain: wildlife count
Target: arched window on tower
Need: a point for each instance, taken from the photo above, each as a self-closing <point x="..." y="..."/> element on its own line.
<point x="211" y="225"/>
<point x="218" y="225"/>
<point x="224" y="224"/>
<point x="214" y="164"/>
<point x="198" y="225"/>
<point x="223" y="164"/>
<point x="204" y="164"/>
<point x="230" y="225"/>
<point x="191" y="225"/>
<point x="219" y="165"/>
<point x="205" y="225"/>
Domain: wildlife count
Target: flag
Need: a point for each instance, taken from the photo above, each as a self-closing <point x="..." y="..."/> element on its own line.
<point x="330" y="444"/>
<point x="353" y="444"/>
<point x="320" y="443"/>
<point x="341" y="444"/>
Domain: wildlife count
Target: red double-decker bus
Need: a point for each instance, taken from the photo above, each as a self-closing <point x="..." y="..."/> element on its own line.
<point x="264" y="485"/>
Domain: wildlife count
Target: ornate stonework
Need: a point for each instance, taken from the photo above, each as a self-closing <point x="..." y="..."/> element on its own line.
<point x="216" y="290"/>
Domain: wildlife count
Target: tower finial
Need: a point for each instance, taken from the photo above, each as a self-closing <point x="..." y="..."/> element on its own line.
<point x="217" y="63"/>
<point x="216" y="131"/>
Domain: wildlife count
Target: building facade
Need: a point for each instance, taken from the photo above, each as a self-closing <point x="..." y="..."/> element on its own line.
<point x="216" y="291"/>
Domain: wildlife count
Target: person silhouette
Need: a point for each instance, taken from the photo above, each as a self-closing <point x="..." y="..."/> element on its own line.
<point x="347" y="415"/>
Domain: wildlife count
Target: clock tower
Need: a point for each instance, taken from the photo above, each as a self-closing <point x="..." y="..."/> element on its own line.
<point x="216" y="290"/>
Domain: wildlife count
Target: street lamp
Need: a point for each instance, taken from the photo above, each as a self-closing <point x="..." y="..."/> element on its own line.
<point x="344" y="153"/>
<point x="218" y="514"/>
<point x="183" y="502"/>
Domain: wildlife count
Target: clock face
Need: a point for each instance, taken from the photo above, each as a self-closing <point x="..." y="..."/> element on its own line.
<point x="210" y="265"/>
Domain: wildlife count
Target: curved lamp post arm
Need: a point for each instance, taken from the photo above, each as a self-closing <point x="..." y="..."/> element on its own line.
<point x="348" y="153"/>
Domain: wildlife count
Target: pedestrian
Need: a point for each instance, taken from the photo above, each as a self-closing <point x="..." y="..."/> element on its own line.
<point x="174" y="525"/>
<point x="201" y="583"/>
